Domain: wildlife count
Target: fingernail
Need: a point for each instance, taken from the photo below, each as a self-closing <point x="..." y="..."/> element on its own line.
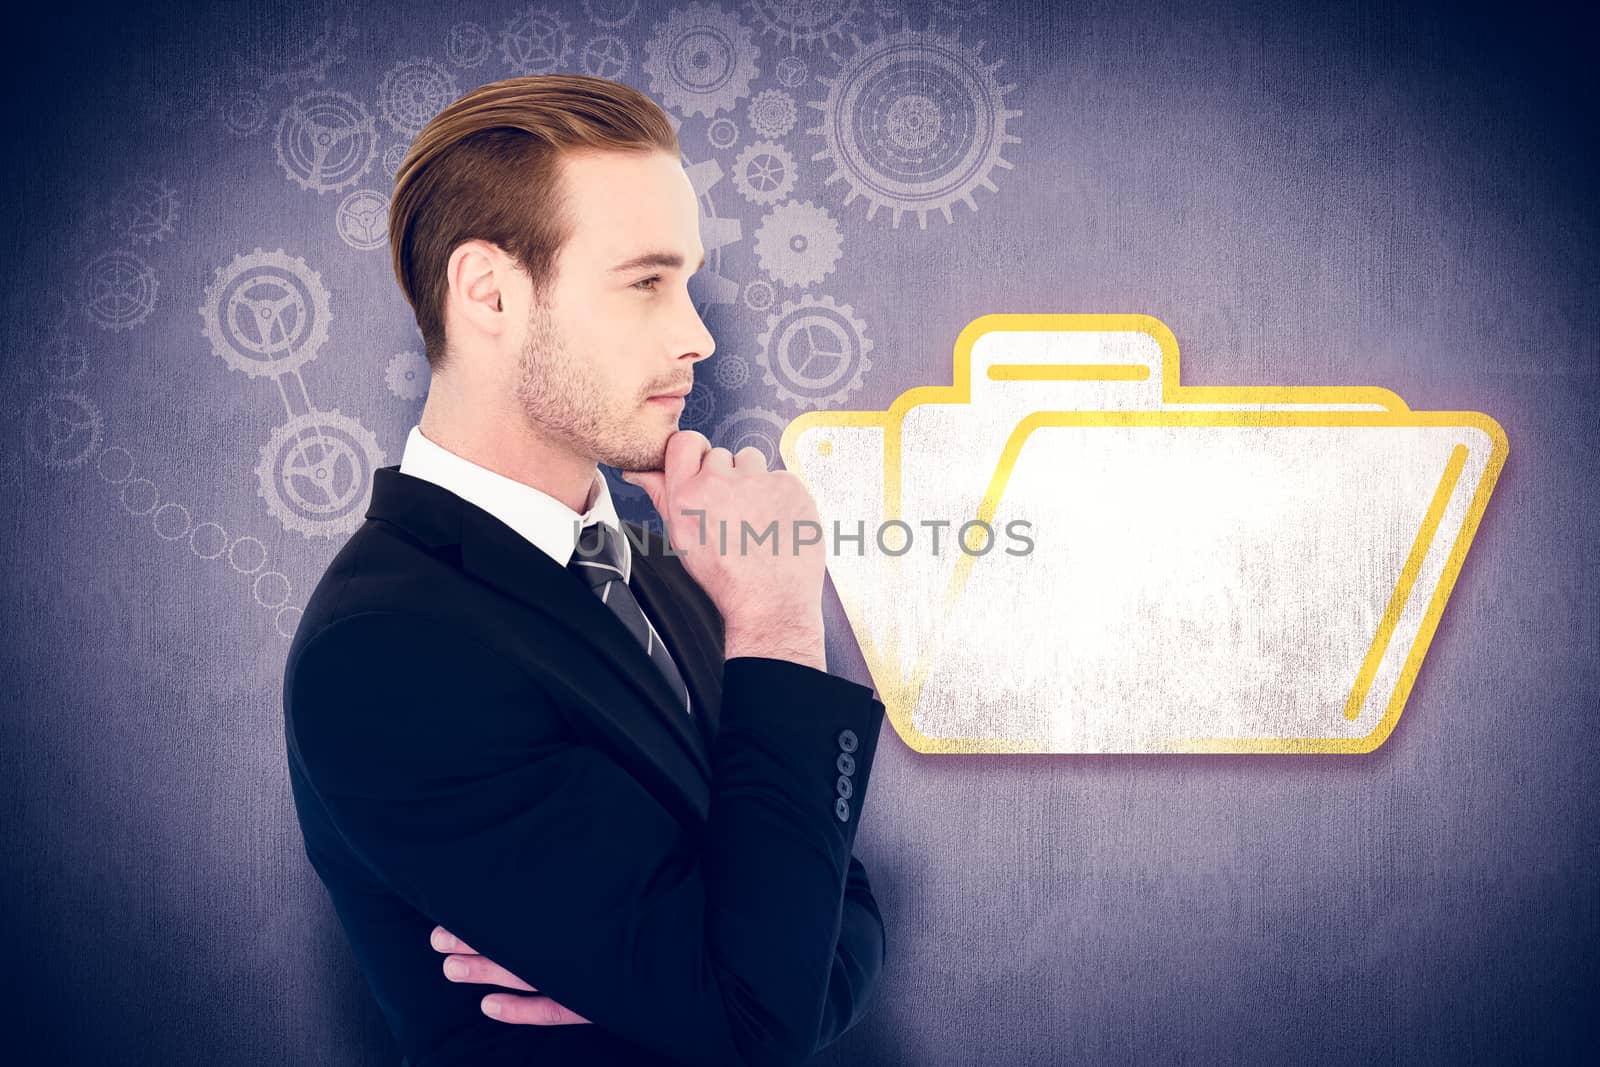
<point x="446" y="941"/>
<point x="455" y="969"/>
<point x="491" y="1007"/>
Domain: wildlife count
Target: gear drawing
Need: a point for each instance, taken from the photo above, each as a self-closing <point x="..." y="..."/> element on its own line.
<point x="117" y="290"/>
<point x="914" y="121"/>
<point x="791" y="72"/>
<point x="266" y="313"/>
<point x="731" y="371"/>
<point x="807" y="23"/>
<point x="467" y="44"/>
<point x="64" y="359"/>
<point x="611" y="13"/>
<point x="799" y="243"/>
<point x="393" y="156"/>
<point x="722" y="132"/>
<point x="606" y="56"/>
<point x="63" y="429"/>
<point x="764" y="172"/>
<point x="758" y="295"/>
<point x="363" y="220"/>
<point x="145" y="211"/>
<point x="412" y="92"/>
<point x="772" y="113"/>
<point x="761" y="427"/>
<point x="315" y="473"/>
<point x="407" y="375"/>
<point x="326" y="141"/>
<point x="537" y="41"/>
<point x="698" y="407"/>
<point x="814" y="353"/>
<point x="245" y="114"/>
<point x="701" y="60"/>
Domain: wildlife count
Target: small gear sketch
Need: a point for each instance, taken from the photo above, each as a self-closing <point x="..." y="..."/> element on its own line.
<point x="145" y="210"/>
<point x="407" y="375"/>
<point x="805" y="23"/>
<point x="722" y="133"/>
<point x="731" y="371"/>
<point x="761" y="427"/>
<point x="606" y="56"/>
<point x="799" y="243"/>
<point x="765" y="172"/>
<point x="266" y="313"/>
<point x="814" y="353"/>
<point x="117" y="290"/>
<point x="315" y="473"/>
<point x="63" y="429"/>
<point x="772" y="113"/>
<point x="914" y="121"/>
<point x="536" y="41"/>
<point x="758" y="295"/>
<point x="700" y="405"/>
<point x="701" y="60"/>
<point x="412" y="92"/>
<point x="467" y="44"/>
<point x="245" y="114"/>
<point x="63" y="359"/>
<point x="303" y="58"/>
<point x="395" y="155"/>
<point x="611" y="13"/>
<point x="326" y="141"/>
<point x="363" y="220"/>
<point x="791" y="72"/>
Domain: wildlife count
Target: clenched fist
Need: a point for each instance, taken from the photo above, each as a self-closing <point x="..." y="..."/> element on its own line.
<point x="752" y="540"/>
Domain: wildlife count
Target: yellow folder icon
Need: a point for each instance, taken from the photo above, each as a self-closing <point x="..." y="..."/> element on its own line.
<point x="1066" y="550"/>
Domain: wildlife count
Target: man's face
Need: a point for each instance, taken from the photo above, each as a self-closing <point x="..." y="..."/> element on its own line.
<point x="612" y="337"/>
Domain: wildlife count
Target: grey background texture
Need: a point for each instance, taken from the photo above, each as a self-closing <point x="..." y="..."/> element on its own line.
<point x="1367" y="193"/>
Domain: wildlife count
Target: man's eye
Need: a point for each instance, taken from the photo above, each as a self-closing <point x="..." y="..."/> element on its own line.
<point x="641" y="282"/>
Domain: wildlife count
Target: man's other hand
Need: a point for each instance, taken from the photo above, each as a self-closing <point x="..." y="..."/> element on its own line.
<point x="464" y="964"/>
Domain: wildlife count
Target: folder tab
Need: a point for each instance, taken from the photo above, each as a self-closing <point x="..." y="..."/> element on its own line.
<point x="1142" y="566"/>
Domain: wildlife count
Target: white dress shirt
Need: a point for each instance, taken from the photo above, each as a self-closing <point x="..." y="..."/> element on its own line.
<point x="539" y="517"/>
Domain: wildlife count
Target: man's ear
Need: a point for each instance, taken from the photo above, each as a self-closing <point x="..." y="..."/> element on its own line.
<point x="477" y="273"/>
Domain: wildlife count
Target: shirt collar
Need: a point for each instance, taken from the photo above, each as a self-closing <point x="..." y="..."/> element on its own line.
<point x="540" y="518"/>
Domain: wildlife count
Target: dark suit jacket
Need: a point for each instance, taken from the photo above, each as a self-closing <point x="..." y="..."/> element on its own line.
<point x="476" y="741"/>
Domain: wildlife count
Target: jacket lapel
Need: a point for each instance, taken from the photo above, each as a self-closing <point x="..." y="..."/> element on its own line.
<point x="497" y="555"/>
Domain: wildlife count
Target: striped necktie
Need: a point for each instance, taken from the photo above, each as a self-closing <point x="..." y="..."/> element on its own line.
<point x="598" y="559"/>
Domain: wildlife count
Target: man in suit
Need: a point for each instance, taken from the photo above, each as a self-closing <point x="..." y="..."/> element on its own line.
<point x="604" y="769"/>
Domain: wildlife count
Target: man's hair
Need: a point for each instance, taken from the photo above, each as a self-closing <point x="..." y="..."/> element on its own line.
<point x="487" y="168"/>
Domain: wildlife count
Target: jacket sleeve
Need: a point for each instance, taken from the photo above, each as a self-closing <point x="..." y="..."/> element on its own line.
<point x="450" y="774"/>
<point x="858" y="958"/>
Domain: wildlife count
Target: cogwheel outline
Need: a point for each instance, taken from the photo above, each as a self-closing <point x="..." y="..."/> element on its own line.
<point x="610" y="22"/>
<point x="759" y="295"/>
<point x="731" y="371"/>
<point x="302" y="119"/>
<point x="765" y="158"/>
<point x="145" y="210"/>
<point x="874" y="145"/>
<point x="407" y="375"/>
<point x="799" y="243"/>
<point x="769" y="447"/>
<point x="245" y="114"/>
<point x="413" y="91"/>
<point x="361" y="219"/>
<point x="837" y="318"/>
<point x="717" y="43"/>
<point x="606" y="56"/>
<point x="526" y="41"/>
<point x="315" y="318"/>
<point x="772" y="113"/>
<point x="804" y="23"/>
<point x="711" y="286"/>
<point x="118" y="290"/>
<point x="722" y="132"/>
<point x="90" y="418"/>
<point x="279" y="459"/>
<point x="468" y="44"/>
<point x="395" y="155"/>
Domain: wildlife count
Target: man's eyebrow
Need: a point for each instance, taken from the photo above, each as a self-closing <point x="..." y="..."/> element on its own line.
<point x="654" y="259"/>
